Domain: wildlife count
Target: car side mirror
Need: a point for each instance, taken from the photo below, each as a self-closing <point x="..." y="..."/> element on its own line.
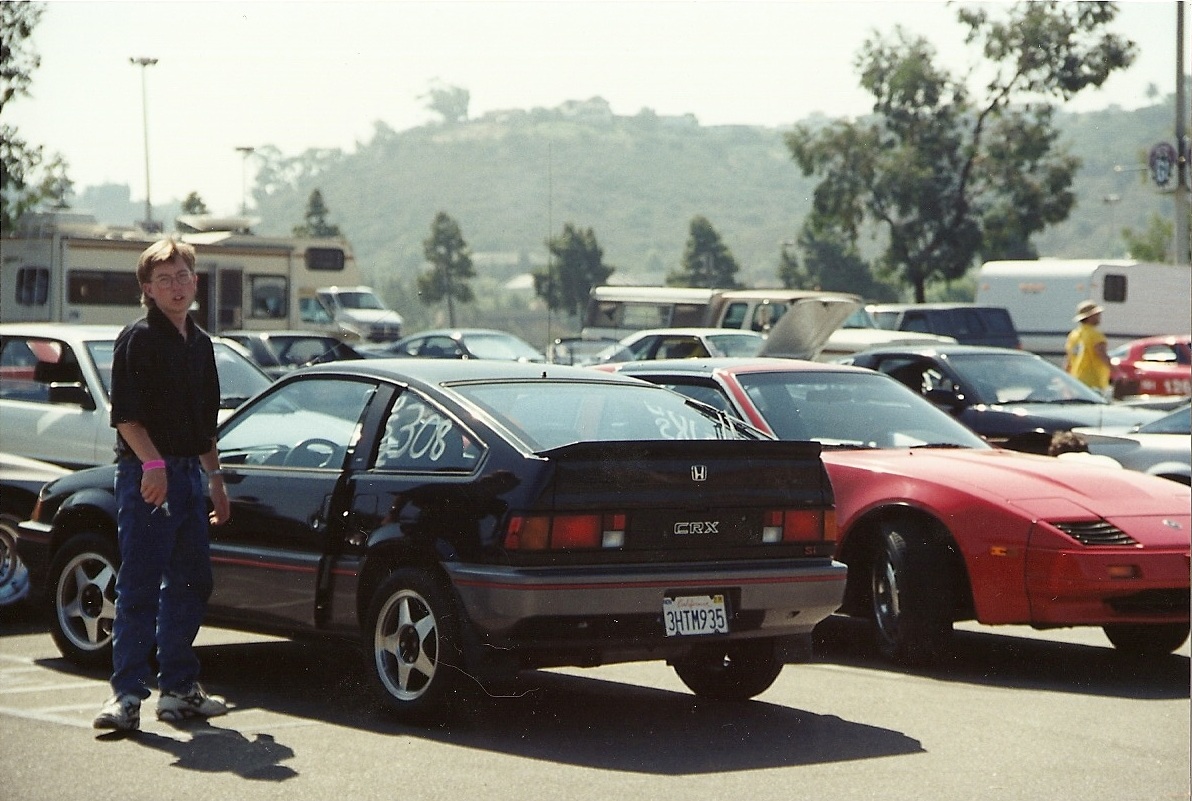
<point x="73" y="393"/>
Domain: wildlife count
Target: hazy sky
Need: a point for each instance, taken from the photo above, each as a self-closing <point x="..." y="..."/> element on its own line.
<point x="302" y="75"/>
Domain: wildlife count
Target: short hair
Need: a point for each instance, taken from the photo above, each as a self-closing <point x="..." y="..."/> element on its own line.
<point x="163" y="251"/>
<point x="1067" y="442"/>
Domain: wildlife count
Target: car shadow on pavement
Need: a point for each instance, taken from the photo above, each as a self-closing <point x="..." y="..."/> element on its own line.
<point x="557" y="717"/>
<point x="1005" y="660"/>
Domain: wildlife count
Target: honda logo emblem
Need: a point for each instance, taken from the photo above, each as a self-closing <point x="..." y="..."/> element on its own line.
<point x="699" y="472"/>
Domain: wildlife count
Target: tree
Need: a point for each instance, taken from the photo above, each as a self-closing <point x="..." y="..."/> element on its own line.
<point x="194" y="204"/>
<point x="1153" y="244"/>
<point x="577" y="266"/>
<point x="451" y="266"/>
<point x="23" y="184"/>
<point x="830" y="263"/>
<point x="450" y="102"/>
<point x="707" y="262"/>
<point x="941" y="178"/>
<point x="316" y="219"/>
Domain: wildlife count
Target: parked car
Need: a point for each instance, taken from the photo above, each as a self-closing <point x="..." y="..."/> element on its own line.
<point x="1012" y="398"/>
<point x="54" y="383"/>
<point x="458" y="343"/>
<point x="1161" y="447"/>
<point x="860" y="331"/>
<point x="20" y="481"/>
<point x="279" y="352"/>
<point x="1152" y="366"/>
<point x="936" y="526"/>
<point x="683" y="343"/>
<point x="578" y="351"/>
<point x="967" y="323"/>
<point x="465" y="520"/>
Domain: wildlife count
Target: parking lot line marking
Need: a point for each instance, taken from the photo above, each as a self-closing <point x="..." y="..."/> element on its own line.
<point x="42" y="688"/>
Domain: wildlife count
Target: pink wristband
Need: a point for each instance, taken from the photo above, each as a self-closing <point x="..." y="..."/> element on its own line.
<point x="154" y="464"/>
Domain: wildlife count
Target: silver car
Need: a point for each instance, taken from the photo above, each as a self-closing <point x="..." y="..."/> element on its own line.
<point x="1161" y="447"/>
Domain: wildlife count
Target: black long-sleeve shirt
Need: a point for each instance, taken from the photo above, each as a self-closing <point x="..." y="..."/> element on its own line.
<point x="167" y="384"/>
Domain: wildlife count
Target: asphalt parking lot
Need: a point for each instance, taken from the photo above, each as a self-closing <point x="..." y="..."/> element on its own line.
<point x="1014" y="714"/>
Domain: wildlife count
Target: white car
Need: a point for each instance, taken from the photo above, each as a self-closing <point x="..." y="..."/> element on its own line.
<point x="682" y="343"/>
<point x="1161" y="447"/>
<point x="54" y="384"/>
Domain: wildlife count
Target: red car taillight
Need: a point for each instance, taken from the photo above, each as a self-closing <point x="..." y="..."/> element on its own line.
<point x="562" y="532"/>
<point x="799" y="525"/>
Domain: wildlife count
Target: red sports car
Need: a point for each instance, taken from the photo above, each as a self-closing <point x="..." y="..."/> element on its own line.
<point x="1153" y="366"/>
<point x="937" y="526"/>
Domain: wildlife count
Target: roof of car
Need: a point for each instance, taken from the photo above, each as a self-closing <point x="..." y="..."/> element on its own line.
<point x="273" y="333"/>
<point x="736" y="364"/>
<point x="942" y="349"/>
<point x="61" y="330"/>
<point x="457" y="332"/>
<point x="693" y="331"/>
<point x="437" y="371"/>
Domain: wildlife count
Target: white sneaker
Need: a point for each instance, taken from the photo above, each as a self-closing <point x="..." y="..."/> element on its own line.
<point x="195" y="703"/>
<point x="121" y="712"/>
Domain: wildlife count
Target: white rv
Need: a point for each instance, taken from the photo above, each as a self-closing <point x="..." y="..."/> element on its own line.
<point x="67" y="267"/>
<point x="1140" y="299"/>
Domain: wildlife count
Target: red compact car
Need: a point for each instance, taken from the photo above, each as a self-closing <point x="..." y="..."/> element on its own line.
<point x="937" y="526"/>
<point x="1153" y="366"/>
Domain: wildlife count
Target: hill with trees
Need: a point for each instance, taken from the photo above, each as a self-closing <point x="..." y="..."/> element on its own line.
<point x="512" y="180"/>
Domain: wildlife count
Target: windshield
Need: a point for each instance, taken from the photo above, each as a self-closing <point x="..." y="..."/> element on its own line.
<point x="860" y="410"/>
<point x="1178" y="422"/>
<point x="737" y="344"/>
<point x="1019" y="378"/>
<point x="860" y="318"/>
<point x="500" y="346"/>
<point x="359" y="300"/>
<point x="548" y="414"/>
<point x="239" y="379"/>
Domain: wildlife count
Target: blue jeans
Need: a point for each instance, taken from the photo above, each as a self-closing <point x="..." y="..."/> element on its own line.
<point x="164" y="579"/>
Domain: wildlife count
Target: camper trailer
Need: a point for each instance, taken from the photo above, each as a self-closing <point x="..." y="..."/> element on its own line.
<point x="67" y="267"/>
<point x="1140" y="298"/>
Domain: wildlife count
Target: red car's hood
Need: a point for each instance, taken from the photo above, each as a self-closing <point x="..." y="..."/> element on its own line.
<point x="1042" y="486"/>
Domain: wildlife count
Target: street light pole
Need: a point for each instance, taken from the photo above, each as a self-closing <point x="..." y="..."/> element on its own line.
<point x="244" y="151"/>
<point x="144" y="62"/>
<point x="1183" y="212"/>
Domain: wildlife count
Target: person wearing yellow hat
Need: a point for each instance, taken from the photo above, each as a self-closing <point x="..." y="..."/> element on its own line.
<point x="1087" y="350"/>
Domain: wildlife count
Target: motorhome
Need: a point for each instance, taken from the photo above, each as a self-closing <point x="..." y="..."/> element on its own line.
<point x="1139" y="298"/>
<point x="68" y="267"/>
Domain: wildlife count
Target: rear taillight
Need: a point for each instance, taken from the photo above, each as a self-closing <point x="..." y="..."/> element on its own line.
<point x="565" y="532"/>
<point x="799" y="525"/>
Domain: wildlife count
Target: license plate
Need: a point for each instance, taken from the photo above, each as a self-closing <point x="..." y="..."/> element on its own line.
<point x="694" y="614"/>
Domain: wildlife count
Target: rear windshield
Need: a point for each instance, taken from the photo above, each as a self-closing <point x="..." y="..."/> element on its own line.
<point x="548" y="414"/>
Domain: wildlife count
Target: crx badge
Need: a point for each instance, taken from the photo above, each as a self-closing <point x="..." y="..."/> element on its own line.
<point x="1172" y="524"/>
<point x="699" y="472"/>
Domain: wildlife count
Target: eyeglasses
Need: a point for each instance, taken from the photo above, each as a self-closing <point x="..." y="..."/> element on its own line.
<point x="180" y="278"/>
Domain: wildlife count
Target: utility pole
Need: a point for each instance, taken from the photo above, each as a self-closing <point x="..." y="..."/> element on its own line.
<point x="1183" y="201"/>
<point x="244" y="152"/>
<point x="144" y="62"/>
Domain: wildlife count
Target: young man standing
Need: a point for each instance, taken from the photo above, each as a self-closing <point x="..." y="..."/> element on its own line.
<point x="165" y="400"/>
<point x="1087" y="351"/>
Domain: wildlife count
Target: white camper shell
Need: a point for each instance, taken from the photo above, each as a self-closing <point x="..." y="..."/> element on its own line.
<point x="1139" y="298"/>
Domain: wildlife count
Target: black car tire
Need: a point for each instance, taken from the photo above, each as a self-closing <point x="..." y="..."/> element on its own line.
<point x="734" y="671"/>
<point x="83" y="594"/>
<point x="1146" y="639"/>
<point x="912" y="595"/>
<point x="414" y="649"/>
<point x="10" y="561"/>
